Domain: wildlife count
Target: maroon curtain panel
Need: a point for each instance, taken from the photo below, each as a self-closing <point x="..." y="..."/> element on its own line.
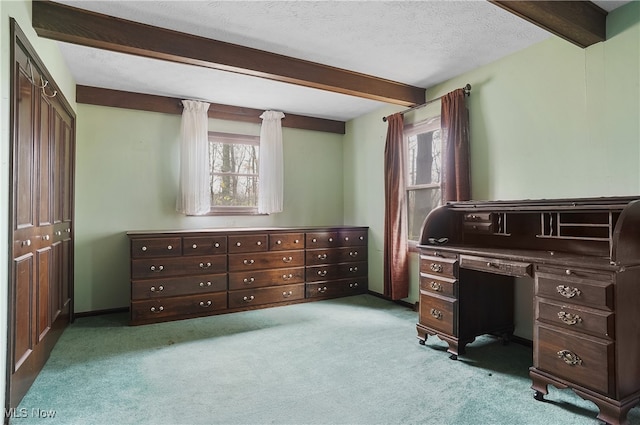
<point x="396" y="257"/>
<point x="454" y="122"/>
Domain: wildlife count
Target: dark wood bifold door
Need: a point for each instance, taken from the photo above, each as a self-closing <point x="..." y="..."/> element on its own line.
<point x="41" y="212"/>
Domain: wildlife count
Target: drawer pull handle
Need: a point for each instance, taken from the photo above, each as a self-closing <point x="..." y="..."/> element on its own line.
<point x="436" y="286"/>
<point x="436" y="267"/>
<point x="330" y="239"/>
<point x="156" y="269"/>
<point x="567" y="272"/>
<point x="216" y="245"/>
<point x="296" y="241"/>
<point x="144" y="248"/>
<point x="248" y="262"/>
<point x="287" y="294"/>
<point x="238" y="243"/>
<point x="249" y="298"/>
<point x="322" y="272"/>
<point x="207" y="304"/>
<point x="205" y="265"/>
<point x="59" y="233"/>
<point x="570" y="358"/>
<point x="287" y="276"/>
<point x="287" y="259"/>
<point x="569" y="319"/>
<point x="159" y="288"/>
<point x="353" y="254"/>
<point x="157" y="310"/>
<point x="194" y="246"/>
<point x="437" y="314"/>
<point x="353" y="269"/>
<point x="322" y="290"/>
<point x="322" y="256"/>
<point x="250" y="280"/>
<point x="314" y="240"/>
<point x="353" y="285"/>
<point x="494" y="265"/>
<point x="258" y="243"/>
<point x="202" y="284"/>
<point x="346" y="238"/>
<point x="26" y="242"/>
<point x="361" y="238"/>
<point x="567" y="291"/>
<point x="169" y="247"/>
<point x="278" y="242"/>
<point x="46" y="237"/>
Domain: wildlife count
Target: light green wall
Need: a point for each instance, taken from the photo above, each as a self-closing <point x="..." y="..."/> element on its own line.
<point x="127" y="178"/>
<point x="50" y="55"/>
<point x="550" y="121"/>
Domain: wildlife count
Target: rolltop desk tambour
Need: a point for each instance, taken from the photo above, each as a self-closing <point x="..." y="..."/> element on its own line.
<point x="584" y="257"/>
<point x="191" y="273"/>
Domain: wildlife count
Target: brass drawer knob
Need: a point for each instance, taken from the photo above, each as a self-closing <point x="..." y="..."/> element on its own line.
<point x="322" y="256"/>
<point x="194" y="246"/>
<point x="569" y="357"/>
<point x="322" y="290"/>
<point x="436" y="314"/>
<point x="436" y="286"/>
<point x="202" y="284"/>
<point x="217" y="244"/>
<point x="569" y="319"/>
<point x="207" y="304"/>
<point x="353" y="254"/>
<point x="353" y="285"/>
<point x="159" y="288"/>
<point x="144" y="248"/>
<point x="205" y="265"/>
<point x="353" y="269"/>
<point x="157" y="310"/>
<point x="287" y="294"/>
<point x="287" y="276"/>
<point x="568" y="292"/>
<point x="278" y="242"/>
<point x="287" y="259"/>
<point x="322" y="272"/>
<point x="258" y="243"/>
<point x="156" y="269"/>
<point x="249" y="280"/>
<point x="169" y="247"/>
<point x="435" y="267"/>
<point x="248" y="262"/>
<point x="248" y="299"/>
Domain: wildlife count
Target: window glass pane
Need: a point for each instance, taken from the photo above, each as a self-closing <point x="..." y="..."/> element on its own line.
<point x="419" y="203"/>
<point x="423" y="159"/>
<point x="234" y="173"/>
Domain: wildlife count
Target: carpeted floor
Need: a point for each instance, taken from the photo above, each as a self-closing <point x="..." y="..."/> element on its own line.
<point x="353" y="360"/>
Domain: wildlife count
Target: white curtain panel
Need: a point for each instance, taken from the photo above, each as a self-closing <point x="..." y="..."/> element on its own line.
<point x="271" y="182"/>
<point x="194" y="192"/>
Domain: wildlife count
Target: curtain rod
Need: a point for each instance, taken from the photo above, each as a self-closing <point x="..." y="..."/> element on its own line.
<point x="467" y="91"/>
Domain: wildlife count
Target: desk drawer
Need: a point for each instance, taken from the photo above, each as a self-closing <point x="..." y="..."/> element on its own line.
<point x="438" y="313"/>
<point x="599" y="323"/>
<point x="497" y="266"/>
<point x="438" y="284"/>
<point x="583" y="360"/>
<point x="439" y="266"/>
<point x="576" y="287"/>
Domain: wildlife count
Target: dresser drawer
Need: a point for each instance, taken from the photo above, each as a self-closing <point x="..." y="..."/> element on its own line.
<point x="321" y="240"/>
<point x="352" y="237"/>
<point x="576" y="287"/>
<point x="599" y="323"/>
<point x="176" y="266"/>
<point x="172" y="286"/>
<point x="439" y="284"/>
<point x="336" y="271"/>
<point x="438" y="313"/>
<point x="583" y="360"/>
<point x="335" y="255"/>
<point x="440" y="266"/>
<point x="178" y="306"/>
<point x="265" y="260"/>
<point x="156" y="247"/>
<point x="339" y="288"/>
<point x="204" y="245"/>
<point x="260" y="278"/>
<point x="258" y="296"/>
<point x="497" y="266"/>
<point x="248" y="243"/>
<point x="286" y="241"/>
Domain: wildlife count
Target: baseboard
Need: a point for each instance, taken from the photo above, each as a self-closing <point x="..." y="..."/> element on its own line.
<point x="101" y="312"/>
<point x="406" y="304"/>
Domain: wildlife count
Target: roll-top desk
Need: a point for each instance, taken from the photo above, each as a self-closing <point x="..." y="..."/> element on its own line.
<point x="584" y="257"/>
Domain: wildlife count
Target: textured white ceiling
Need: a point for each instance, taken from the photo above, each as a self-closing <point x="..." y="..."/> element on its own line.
<point x="420" y="43"/>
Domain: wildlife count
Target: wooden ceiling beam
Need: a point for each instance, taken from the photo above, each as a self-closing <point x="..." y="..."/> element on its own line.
<point x="580" y="22"/>
<point x="72" y="25"/>
<point x="169" y="105"/>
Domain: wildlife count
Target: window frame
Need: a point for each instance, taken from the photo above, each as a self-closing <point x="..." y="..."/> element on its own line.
<point x="412" y="129"/>
<point x="232" y="138"/>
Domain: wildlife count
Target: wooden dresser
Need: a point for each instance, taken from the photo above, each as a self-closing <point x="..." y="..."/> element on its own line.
<point x="192" y="273"/>
<point x="584" y="257"/>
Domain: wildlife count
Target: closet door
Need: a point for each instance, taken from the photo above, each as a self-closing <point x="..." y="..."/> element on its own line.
<point x="41" y="212"/>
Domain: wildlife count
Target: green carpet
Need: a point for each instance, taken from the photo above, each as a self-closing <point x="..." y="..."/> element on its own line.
<point x="353" y="360"/>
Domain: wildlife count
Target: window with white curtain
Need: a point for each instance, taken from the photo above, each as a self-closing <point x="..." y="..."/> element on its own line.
<point x="424" y="167"/>
<point x="234" y="167"/>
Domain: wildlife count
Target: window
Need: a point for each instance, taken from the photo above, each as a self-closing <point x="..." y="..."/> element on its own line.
<point x="233" y="165"/>
<point x="423" y="172"/>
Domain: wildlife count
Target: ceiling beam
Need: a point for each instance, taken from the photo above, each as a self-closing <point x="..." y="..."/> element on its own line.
<point x="580" y="22"/>
<point x="169" y="105"/>
<point x="72" y="25"/>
